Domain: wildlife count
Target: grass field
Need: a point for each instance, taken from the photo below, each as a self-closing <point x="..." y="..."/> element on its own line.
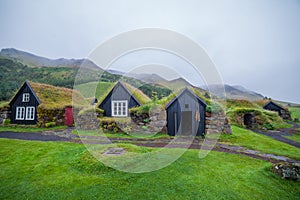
<point x="295" y="112"/>
<point x="94" y="89"/>
<point x="56" y="170"/>
<point x="255" y="141"/>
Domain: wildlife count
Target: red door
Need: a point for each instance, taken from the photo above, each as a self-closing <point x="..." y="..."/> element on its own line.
<point x="69" y="120"/>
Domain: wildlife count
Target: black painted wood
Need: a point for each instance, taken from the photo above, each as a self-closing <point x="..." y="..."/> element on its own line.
<point x="186" y="101"/>
<point x="17" y="102"/>
<point x="119" y="92"/>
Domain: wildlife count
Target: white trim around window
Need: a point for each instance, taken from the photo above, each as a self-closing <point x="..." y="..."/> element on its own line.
<point x="30" y="112"/>
<point x="25" y="97"/>
<point x="119" y="108"/>
<point x="20" y="113"/>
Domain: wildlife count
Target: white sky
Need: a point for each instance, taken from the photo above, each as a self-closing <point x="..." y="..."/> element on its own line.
<point x="252" y="43"/>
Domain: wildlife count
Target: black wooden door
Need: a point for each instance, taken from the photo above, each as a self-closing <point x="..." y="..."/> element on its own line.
<point x="186" y="123"/>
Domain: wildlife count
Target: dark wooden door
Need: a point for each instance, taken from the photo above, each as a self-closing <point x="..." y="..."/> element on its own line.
<point x="186" y="123"/>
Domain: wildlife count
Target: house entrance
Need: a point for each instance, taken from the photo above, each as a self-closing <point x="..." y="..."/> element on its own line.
<point x="186" y="123"/>
<point x="248" y="120"/>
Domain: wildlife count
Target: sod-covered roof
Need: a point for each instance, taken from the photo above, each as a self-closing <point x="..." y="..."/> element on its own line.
<point x="56" y="97"/>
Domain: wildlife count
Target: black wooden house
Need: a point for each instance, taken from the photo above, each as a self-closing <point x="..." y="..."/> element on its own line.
<point x="186" y="114"/>
<point x="24" y="106"/>
<point x="120" y="99"/>
<point x="282" y="112"/>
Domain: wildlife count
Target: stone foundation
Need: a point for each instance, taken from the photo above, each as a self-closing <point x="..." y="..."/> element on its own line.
<point x="4" y="114"/>
<point x="217" y="123"/>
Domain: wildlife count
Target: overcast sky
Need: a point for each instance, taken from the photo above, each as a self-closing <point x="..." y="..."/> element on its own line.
<point x="253" y="43"/>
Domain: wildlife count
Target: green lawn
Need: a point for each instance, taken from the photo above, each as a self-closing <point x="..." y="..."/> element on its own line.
<point x="295" y="136"/>
<point x="57" y="170"/>
<point x="24" y="128"/>
<point x="255" y="141"/>
<point x="295" y="112"/>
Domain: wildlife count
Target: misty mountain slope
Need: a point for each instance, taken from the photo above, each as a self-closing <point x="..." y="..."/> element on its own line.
<point x="155" y="79"/>
<point x="235" y="92"/>
<point x="38" y="61"/>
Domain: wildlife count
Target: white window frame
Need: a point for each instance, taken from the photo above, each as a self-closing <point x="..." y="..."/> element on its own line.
<point x="30" y="113"/>
<point x="20" y="113"/>
<point x="26" y="97"/>
<point x="119" y="110"/>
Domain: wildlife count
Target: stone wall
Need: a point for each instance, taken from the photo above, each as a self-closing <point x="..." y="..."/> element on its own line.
<point x="4" y="114"/>
<point x="285" y="114"/>
<point x="217" y="123"/>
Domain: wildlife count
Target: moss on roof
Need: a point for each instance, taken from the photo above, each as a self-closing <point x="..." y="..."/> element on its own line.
<point x="56" y="97"/>
<point x="137" y="93"/>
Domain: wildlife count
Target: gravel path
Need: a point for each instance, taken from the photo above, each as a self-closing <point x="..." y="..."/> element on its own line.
<point x="279" y="135"/>
<point x="32" y="136"/>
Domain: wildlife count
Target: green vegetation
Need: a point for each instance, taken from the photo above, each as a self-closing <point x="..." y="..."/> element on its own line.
<point x="263" y="118"/>
<point x="295" y="136"/>
<point x="94" y="89"/>
<point x="56" y="170"/>
<point x="13" y="74"/>
<point x="28" y="128"/>
<point x="56" y="97"/>
<point x="119" y="134"/>
<point x="255" y="141"/>
<point x="295" y="112"/>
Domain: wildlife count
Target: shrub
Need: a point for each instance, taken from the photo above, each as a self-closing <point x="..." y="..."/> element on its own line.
<point x="98" y="111"/>
<point x="6" y="122"/>
<point x="49" y="124"/>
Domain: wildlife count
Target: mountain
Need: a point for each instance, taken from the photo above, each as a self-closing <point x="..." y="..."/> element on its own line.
<point x="155" y="79"/>
<point x="234" y="92"/>
<point x="38" y="61"/>
<point x="14" y="73"/>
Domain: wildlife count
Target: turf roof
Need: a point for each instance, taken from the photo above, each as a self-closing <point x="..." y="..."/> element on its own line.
<point x="56" y="97"/>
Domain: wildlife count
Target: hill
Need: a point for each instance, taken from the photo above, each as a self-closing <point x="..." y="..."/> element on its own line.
<point x="234" y="92"/>
<point x="14" y="73"/>
<point x="156" y="79"/>
<point x="38" y="61"/>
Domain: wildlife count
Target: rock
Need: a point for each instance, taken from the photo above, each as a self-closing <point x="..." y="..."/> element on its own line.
<point x="287" y="170"/>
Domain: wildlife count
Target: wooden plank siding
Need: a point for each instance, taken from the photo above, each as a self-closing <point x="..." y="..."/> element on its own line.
<point x="184" y="102"/>
<point x="17" y="102"/>
<point x="118" y="93"/>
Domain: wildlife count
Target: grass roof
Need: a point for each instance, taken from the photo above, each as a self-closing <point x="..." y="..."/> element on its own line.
<point x="137" y="93"/>
<point x="56" y="97"/>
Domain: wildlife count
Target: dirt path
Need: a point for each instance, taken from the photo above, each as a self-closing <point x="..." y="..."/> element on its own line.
<point x="66" y="136"/>
<point x="31" y="136"/>
<point x="279" y="135"/>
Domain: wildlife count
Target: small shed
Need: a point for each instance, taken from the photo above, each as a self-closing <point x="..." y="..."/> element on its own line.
<point x="120" y="99"/>
<point x="186" y="114"/>
<point x="282" y="112"/>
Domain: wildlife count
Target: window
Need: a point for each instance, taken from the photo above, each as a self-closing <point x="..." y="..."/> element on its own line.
<point x="25" y="97"/>
<point x="20" y="112"/>
<point x="119" y="108"/>
<point x="186" y="106"/>
<point x="30" y="112"/>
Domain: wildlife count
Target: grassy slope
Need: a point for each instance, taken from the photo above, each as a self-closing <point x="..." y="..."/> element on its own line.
<point x="92" y="89"/>
<point x="295" y="112"/>
<point x="255" y="141"/>
<point x="54" y="170"/>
